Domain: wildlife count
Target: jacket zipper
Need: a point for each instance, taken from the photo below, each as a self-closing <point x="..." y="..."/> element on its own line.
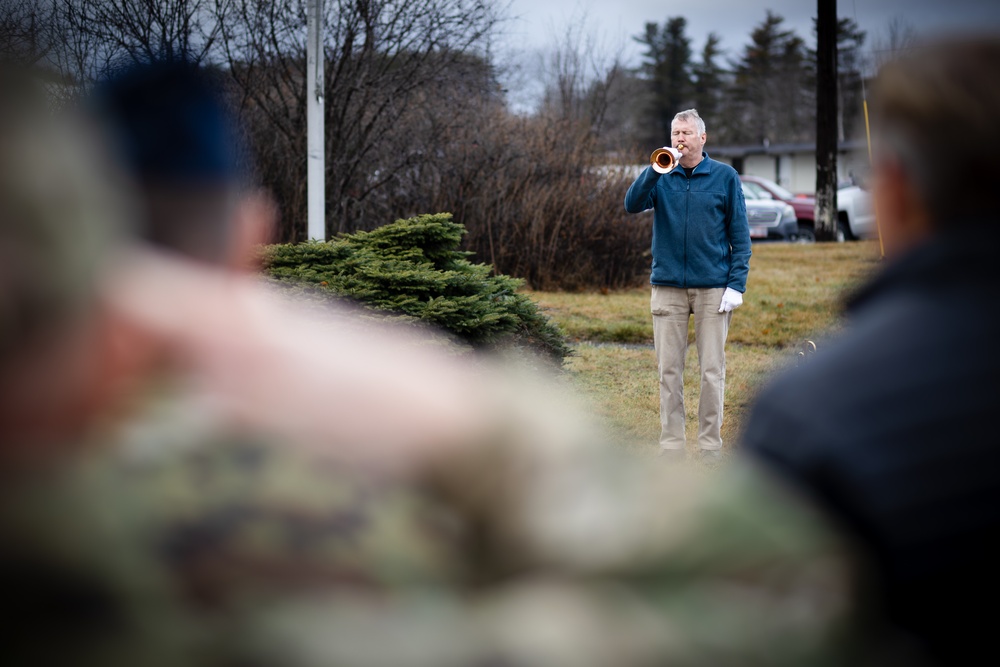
<point x="687" y="218"/>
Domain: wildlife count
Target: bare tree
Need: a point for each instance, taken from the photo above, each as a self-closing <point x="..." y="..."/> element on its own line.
<point x="98" y="36"/>
<point x="579" y="75"/>
<point x="898" y="35"/>
<point x="384" y="59"/>
<point x="27" y="32"/>
<point x="416" y="121"/>
<point x="538" y="203"/>
<point x="625" y="121"/>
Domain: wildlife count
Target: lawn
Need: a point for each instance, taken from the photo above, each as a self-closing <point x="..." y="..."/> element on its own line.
<point x="794" y="294"/>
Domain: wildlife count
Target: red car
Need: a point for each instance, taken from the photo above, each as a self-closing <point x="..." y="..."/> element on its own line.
<point x="805" y="206"/>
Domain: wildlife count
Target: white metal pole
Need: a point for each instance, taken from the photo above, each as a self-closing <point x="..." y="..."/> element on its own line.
<point x="316" y="155"/>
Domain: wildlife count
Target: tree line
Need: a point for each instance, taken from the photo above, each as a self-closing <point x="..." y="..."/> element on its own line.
<point x="417" y="120"/>
<point x="766" y="94"/>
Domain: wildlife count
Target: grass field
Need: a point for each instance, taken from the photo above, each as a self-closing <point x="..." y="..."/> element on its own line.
<point x="794" y="294"/>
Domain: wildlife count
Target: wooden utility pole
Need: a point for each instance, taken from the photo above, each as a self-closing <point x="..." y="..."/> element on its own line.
<point x="826" y="120"/>
<point x="315" y="144"/>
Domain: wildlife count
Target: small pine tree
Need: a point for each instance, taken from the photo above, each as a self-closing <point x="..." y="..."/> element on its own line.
<point x="414" y="267"/>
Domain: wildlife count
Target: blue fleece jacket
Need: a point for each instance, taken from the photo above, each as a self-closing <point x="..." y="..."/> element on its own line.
<point x="701" y="237"/>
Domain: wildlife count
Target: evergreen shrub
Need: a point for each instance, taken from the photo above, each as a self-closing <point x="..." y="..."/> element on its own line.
<point x="414" y="267"/>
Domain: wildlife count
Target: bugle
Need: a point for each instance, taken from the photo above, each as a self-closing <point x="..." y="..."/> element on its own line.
<point x="664" y="159"/>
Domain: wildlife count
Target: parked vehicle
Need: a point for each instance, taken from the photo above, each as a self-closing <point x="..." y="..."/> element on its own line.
<point x="855" y="213"/>
<point x="804" y="205"/>
<point x="769" y="218"/>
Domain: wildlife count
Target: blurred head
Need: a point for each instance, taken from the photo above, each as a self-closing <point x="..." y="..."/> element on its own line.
<point x="174" y="133"/>
<point x="936" y="140"/>
<point x="688" y="130"/>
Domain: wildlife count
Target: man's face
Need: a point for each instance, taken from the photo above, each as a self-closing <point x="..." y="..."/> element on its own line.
<point x="684" y="137"/>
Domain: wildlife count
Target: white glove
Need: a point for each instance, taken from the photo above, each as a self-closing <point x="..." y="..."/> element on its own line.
<point x="731" y="300"/>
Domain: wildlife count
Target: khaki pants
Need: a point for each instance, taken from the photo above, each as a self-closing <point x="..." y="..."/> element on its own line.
<point x="671" y="308"/>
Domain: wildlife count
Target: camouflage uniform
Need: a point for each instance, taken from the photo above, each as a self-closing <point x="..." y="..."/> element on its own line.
<point x="157" y="541"/>
<point x="535" y="549"/>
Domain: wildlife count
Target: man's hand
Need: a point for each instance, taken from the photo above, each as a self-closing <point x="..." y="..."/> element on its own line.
<point x="731" y="300"/>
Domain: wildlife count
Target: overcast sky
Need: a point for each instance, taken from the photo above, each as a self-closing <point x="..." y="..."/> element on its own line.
<point x="535" y="21"/>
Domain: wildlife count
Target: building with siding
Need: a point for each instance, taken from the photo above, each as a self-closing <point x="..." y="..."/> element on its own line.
<point x="793" y="166"/>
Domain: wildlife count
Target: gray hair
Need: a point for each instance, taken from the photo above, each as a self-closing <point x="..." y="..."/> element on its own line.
<point x="692" y="115"/>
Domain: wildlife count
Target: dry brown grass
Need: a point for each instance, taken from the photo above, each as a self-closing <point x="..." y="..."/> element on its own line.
<point x="620" y="383"/>
<point x="794" y="294"/>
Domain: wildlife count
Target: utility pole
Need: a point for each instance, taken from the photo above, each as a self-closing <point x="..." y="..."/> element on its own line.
<point x="826" y="120"/>
<point x="316" y="151"/>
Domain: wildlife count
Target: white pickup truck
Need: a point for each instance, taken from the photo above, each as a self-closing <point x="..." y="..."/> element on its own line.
<point x="855" y="212"/>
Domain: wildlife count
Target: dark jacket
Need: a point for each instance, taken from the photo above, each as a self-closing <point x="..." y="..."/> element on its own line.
<point x="894" y="430"/>
<point x="701" y="237"/>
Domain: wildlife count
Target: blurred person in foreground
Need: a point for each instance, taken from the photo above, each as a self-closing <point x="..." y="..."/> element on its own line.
<point x="143" y="384"/>
<point x="197" y="472"/>
<point x="892" y="430"/>
<point x="701" y="258"/>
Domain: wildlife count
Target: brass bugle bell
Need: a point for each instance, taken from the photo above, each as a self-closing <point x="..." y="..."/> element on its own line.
<point x="664" y="159"/>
